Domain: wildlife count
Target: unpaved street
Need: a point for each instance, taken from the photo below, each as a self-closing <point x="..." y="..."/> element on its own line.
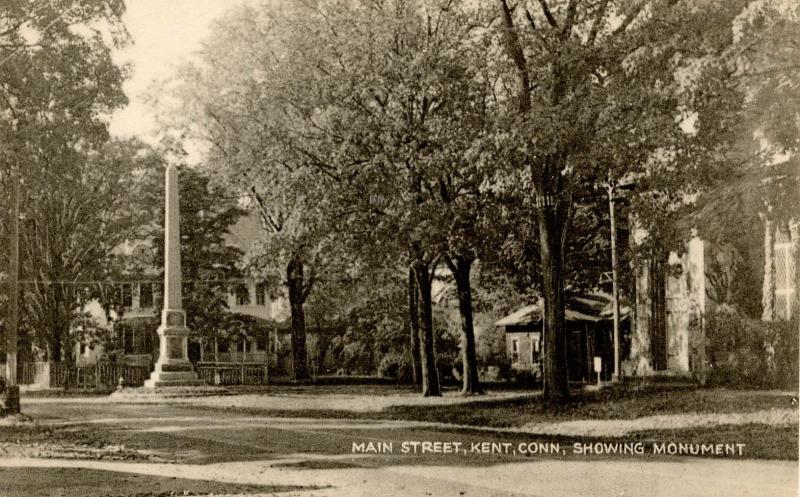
<point x="189" y="447"/>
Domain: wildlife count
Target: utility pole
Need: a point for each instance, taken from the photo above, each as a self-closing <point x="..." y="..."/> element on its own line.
<point x="9" y="402"/>
<point x="13" y="288"/>
<point x="614" y="278"/>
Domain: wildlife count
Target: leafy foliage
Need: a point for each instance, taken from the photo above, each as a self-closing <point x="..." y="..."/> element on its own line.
<point x="745" y="352"/>
<point x="75" y="215"/>
<point x="58" y="83"/>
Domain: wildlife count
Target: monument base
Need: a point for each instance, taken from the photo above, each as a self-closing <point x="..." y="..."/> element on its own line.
<point x="173" y="368"/>
<point x="173" y="374"/>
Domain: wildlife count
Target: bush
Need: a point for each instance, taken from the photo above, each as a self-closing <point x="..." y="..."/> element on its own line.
<point x="395" y="365"/>
<point x="491" y="347"/>
<point x="525" y="377"/>
<point x="745" y="352"/>
<point x="504" y="371"/>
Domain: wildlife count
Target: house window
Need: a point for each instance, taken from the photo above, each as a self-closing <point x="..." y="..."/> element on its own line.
<point x="127" y="295"/>
<point x="784" y="281"/>
<point x="535" y="349"/>
<point x="515" y="349"/>
<point x="146" y="295"/>
<point x="261" y="294"/>
<point x="242" y="295"/>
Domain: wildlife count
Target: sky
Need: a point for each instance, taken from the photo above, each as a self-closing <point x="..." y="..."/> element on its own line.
<point x="164" y="32"/>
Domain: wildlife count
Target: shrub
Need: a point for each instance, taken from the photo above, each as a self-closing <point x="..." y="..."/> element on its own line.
<point x="504" y="371"/>
<point x="395" y="365"/>
<point x="745" y="352"/>
<point x="491" y="347"/>
<point x="525" y="377"/>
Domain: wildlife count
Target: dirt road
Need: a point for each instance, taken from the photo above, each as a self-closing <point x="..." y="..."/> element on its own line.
<point x="200" y="451"/>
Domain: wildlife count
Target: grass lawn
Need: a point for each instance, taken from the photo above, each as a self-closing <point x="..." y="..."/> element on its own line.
<point x="618" y="403"/>
<point x="624" y="402"/>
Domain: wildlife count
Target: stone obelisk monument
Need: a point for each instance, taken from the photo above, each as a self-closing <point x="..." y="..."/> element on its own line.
<point x="173" y="367"/>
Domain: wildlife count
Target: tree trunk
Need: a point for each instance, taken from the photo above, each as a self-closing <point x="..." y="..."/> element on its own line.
<point x="55" y="348"/>
<point x="430" y="375"/>
<point x="461" y="268"/>
<point x="552" y="219"/>
<point x="294" y="281"/>
<point x="413" y="327"/>
<point x="556" y="372"/>
<point x="57" y="336"/>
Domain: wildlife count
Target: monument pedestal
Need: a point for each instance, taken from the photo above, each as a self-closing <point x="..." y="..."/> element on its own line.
<point x="173" y="367"/>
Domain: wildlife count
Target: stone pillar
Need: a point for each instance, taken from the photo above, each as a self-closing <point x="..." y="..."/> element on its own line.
<point x="173" y="367"/>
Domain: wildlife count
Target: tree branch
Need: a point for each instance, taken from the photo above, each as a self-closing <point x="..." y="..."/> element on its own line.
<point x="547" y="14"/>
<point x="518" y="56"/>
<point x="569" y="21"/>
<point x="530" y="19"/>
<point x="597" y="22"/>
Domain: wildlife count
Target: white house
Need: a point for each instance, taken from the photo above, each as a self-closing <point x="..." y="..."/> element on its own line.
<point x="134" y="331"/>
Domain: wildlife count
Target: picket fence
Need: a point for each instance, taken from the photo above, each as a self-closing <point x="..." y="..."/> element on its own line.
<point x="233" y="374"/>
<point x="97" y="376"/>
<point x="107" y="375"/>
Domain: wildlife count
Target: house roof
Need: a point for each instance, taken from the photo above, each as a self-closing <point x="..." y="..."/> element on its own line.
<point x="592" y="308"/>
<point x="246" y="233"/>
<point x="528" y="314"/>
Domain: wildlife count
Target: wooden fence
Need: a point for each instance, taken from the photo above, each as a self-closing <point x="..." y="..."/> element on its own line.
<point x="107" y="375"/>
<point x="110" y="374"/>
<point x="97" y="376"/>
<point x="233" y="374"/>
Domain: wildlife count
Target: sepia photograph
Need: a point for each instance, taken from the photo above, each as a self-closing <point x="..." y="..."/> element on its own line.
<point x="399" y="248"/>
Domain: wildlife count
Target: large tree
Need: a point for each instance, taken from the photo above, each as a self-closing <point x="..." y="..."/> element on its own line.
<point x="405" y="101"/>
<point x="604" y="91"/>
<point x="58" y="84"/>
<point x="75" y="214"/>
<point x="232" y="109"/>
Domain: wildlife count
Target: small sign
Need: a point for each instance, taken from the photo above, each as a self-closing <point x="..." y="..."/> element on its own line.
<point x="598" y="364"/>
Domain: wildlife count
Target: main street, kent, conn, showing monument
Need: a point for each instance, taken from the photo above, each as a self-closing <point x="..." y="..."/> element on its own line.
<point x="399" y="248"/>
